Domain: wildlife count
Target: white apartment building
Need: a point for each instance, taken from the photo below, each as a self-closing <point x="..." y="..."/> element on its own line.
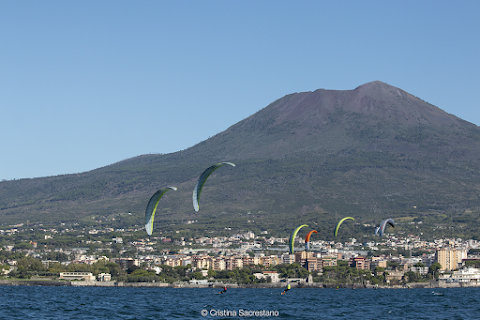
<point x="470" y="276"/>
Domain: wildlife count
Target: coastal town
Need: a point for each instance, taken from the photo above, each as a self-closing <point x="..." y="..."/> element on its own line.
<point x="115" y="256"/>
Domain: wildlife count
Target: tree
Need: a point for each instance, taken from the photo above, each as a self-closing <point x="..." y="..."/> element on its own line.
<point x="114" y="269"/>
<point x="56" y="256"/>
<point x="433" y="270"/>
<point x="392" y="265"/>
<point x="23" y="246"/>
<point x="473" y="263"/>
<point x="410" y="276"/>
<point x="378" y="270"/>
<point x="132" y="269"/>
<point x="30" y="264"/>
<point x="212" y="273"/>
<point x="140" y="273"/>
<point x="197" y="275"/>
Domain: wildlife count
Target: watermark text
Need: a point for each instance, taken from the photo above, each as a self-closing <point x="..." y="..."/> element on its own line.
<point x="239" y="313"/>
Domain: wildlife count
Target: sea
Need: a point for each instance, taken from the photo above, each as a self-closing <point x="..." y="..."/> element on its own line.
<point x="44" y="302"/>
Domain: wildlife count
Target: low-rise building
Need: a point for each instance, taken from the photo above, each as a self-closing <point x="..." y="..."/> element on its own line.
<point x="394" y="275"/>
<point x="117" y="240"/>
<point x="378" y="262"/>
<point x="126" y="263"/>
<point x="419" y="270"/>
<point x="86" y="276"/>
<point x="274" y="276"/>
<point x="104" y="277"/>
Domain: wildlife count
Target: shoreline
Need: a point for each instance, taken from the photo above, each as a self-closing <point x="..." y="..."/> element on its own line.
<point x="421" y="285"/>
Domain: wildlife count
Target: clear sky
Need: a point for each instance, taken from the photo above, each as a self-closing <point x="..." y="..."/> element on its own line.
<point x="84" y="84"/>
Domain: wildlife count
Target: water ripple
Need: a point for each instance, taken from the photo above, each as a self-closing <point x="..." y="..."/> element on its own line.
<point x="26" y="302"/>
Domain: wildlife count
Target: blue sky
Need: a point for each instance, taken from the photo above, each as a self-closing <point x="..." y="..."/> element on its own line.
<point x="84" y="84"/>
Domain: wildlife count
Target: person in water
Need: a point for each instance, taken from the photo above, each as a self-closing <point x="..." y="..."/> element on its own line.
<point x="224" y="290"/>
<point x="287" y="288"/>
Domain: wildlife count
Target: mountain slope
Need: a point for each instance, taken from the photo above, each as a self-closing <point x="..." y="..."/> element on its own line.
<point x="369" y="152"/>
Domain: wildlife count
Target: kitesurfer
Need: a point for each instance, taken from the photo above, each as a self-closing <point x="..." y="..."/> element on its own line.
<point x="307" y="239"/>
<point x="224" y="290"/>
<point x="287" y="288"/>
<point x="340" y="222"/>
<point x="381" y="228"/>
<point x="291" y="243"/>
<point x="152" y="208"/>
<point x="201" y="181"/>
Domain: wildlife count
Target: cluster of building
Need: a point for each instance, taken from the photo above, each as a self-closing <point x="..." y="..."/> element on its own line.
<point x="450" y="255"/>
<point x="246" y="249"/>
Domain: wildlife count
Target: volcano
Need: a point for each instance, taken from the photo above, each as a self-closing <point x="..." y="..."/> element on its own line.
<point x="372" y="151"/>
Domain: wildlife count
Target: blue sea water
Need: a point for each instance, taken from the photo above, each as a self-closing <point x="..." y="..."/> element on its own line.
<point x="42" y="302"/>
